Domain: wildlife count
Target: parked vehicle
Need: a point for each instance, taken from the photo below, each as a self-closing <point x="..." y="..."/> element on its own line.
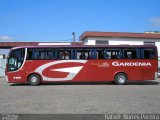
<point x="39" y="64"/>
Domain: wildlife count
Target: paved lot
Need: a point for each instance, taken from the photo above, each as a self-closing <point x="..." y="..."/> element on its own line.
<point x="139" y="97"/>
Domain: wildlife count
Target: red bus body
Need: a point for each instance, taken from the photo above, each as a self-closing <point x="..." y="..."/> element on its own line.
<point x="89" y="70"/>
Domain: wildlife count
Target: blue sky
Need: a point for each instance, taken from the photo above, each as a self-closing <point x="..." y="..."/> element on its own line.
<point x="55" y="20"/>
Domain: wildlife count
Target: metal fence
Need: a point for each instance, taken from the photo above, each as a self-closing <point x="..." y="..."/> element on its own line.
<point x="2" y="67"/>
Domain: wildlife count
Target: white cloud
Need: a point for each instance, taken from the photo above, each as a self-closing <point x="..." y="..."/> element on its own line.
<point x="155" y="21"/>
<point x="5" y="38"/>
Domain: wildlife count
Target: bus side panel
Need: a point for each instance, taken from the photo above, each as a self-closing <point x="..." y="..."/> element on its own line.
<point x="148" y="73"/>
<point x="121" y="66"/>
<point x="92" y="70"/>
<point x="95" y="70"/>
<point x="105" y="70"/>
<point x="137" y="72"/>
<point x="17" y="76"/>
<point x="32" y="65"/>
<point x="20" y="76"/>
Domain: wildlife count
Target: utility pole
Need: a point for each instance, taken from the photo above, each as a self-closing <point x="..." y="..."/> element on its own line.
<point x="73" y="34"/>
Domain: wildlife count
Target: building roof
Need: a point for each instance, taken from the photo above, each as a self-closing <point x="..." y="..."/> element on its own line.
<point x="119" y="35"/>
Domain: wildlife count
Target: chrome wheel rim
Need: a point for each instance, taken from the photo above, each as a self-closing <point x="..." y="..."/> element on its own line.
<point x="121" y="79"/>
<point x="34" y="79"/>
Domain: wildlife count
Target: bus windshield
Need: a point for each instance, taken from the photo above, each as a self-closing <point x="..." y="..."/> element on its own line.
<point x="15" y="59"/>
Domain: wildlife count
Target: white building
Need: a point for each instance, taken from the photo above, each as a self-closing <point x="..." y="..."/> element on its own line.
<point x="120" y="38"/>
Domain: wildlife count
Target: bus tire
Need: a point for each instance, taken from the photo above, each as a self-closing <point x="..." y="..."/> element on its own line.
<point x="34" y="80"/>
<point x="120" y="79"/>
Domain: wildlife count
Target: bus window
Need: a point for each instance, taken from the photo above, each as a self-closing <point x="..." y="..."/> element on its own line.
<point x="113" y="54"/>
<point x="49" y="54"/>
<point x="62" y="54"/>
<point x="83" y="54"/>
<point x="56" y="54"/>
<point x="148" y="53"/>
<point x="131" y="53"/>
<point x="87" y="53"/>
<point x="80" y="54"/>
<point x="67" y="54"/>
<point x="30" y="54"/>
<point x="36" y="54"/>
<point x="73" y="54"/>
<point x="106" y="55"/>
<point x="41" y="54"/>
<point x="100" y="53"/>
<point x="93" y="54"/>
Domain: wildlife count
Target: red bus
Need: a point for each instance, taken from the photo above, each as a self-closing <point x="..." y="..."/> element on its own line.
<point x="38" y="64"/>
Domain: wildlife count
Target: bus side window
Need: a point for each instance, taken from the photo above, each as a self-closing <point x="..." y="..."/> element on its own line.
<point x="127" y="54"/>
<point x="73" y="54"/>
<point x="108" y="54"/>
<point x="67" y="54"/>
<point x="113" y="54"/>
<point x="131" y="53"/>
<point x="40" y="54"/>
<point x="30" y="54"/>
<point x="49" y="54"/>
<point x="55" y="54"/>
<point x="148" y="53"/>
<point x="61" y="55"/>
<point x="83" y="54"/>
<point x="87" y="53"/>
<point x="100" y="54"/>
<point x="79" y="54"/>
<point x="92" y="54"/>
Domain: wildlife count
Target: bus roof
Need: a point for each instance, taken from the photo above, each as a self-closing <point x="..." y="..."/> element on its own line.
<point x="87" y="46"/>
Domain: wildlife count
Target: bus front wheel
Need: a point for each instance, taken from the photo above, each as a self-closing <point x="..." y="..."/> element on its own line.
<point x="120" y="79"/>
<point x="34" y="80"/>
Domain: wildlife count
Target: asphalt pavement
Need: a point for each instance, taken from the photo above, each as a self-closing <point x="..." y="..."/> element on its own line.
<point x="89" y="98"/>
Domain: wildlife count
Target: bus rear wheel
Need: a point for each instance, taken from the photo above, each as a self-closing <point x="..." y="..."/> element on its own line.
<point x="120" y="79"/>
<point x="34" y="80"/>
